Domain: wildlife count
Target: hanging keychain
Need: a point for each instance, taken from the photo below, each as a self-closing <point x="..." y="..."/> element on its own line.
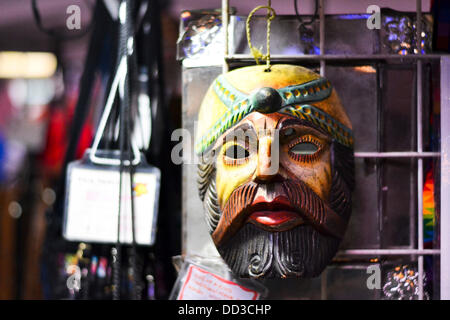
<point x="91" y="206"/>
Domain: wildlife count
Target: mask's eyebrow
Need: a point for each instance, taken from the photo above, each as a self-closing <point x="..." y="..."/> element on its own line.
<point x="235" y="132"/>
<point x="295" y="122"/>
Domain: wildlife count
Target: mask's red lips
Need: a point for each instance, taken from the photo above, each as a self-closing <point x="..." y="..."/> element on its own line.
<point x="275" y="215"/>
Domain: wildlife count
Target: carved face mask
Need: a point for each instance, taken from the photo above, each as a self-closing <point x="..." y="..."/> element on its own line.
<point x="276" y="171"/>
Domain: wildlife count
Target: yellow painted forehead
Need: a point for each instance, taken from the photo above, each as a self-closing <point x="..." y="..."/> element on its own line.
<point x="281" y="75"/>
<point x="288" y="89"/>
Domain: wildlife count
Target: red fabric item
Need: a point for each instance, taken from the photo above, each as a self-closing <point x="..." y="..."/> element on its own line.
<point x="58" y="135"/>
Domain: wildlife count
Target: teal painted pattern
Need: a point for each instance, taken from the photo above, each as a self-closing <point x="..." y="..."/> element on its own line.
<point x="294" y="103"/>
<point x="227" y="93"/>
<point x="337" y="130"/>
<point x="316" y="90"/>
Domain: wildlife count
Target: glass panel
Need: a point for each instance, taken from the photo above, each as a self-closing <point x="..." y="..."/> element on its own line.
<point x="356" y="87"/>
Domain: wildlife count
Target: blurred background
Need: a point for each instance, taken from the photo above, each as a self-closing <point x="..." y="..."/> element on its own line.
<point x="47" y="72"/>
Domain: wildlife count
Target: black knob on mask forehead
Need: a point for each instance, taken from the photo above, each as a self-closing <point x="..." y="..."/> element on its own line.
<point x="266" y="100"/>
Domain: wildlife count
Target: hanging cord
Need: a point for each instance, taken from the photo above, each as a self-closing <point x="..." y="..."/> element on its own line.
<point x="303" y="24"/>
<point x="127" y="118"/>
<point x="257" y="54"/>
<point x="122" y="89"/>
<point x="126" y="48"/>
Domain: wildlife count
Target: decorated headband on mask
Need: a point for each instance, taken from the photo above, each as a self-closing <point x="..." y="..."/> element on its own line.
<point x="293" y="100"/>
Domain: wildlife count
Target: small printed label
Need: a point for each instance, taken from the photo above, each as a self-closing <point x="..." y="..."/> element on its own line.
<point x="93" y="205"/>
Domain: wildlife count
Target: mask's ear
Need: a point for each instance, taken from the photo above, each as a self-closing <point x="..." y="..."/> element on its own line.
<point x="343" y="178"/>
<point x="206" y="183"/>
<point x="204" y="171"/>
<point x="343" y="163"/>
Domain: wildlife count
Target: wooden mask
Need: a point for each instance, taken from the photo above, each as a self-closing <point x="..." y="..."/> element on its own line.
<point x="276" y="170"/>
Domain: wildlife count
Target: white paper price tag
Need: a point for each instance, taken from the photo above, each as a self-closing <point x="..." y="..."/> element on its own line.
<point x="92" y="204"/>
<point x="201" y="284"/>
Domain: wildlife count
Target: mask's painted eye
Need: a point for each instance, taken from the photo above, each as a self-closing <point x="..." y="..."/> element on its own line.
<point x="304" y="148"/>
<point x="288" y="132"/>
<point x="236" y="152"/>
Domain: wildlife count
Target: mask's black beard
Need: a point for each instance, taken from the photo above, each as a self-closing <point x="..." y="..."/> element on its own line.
<point x="299" y="252"/>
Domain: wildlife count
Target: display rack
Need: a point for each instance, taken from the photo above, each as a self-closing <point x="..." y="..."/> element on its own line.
<point x="417" y="155"/>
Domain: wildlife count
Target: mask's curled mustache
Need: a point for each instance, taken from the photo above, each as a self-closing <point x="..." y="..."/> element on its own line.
<point x="301" y="197"/>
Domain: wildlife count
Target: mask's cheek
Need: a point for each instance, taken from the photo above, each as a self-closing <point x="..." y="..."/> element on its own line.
<point x="228" y="178"/>
<point x="316" y="175"/>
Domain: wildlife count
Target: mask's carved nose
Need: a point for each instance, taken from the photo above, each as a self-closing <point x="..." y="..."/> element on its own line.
<point x="268" y="167"/>
<point x="267" y="100"/>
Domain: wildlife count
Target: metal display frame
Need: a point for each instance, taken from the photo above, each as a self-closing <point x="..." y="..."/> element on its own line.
<point x="418" y="155"/>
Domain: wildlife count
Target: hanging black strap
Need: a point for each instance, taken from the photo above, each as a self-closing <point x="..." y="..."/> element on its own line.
<point x="102" y="22"/>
